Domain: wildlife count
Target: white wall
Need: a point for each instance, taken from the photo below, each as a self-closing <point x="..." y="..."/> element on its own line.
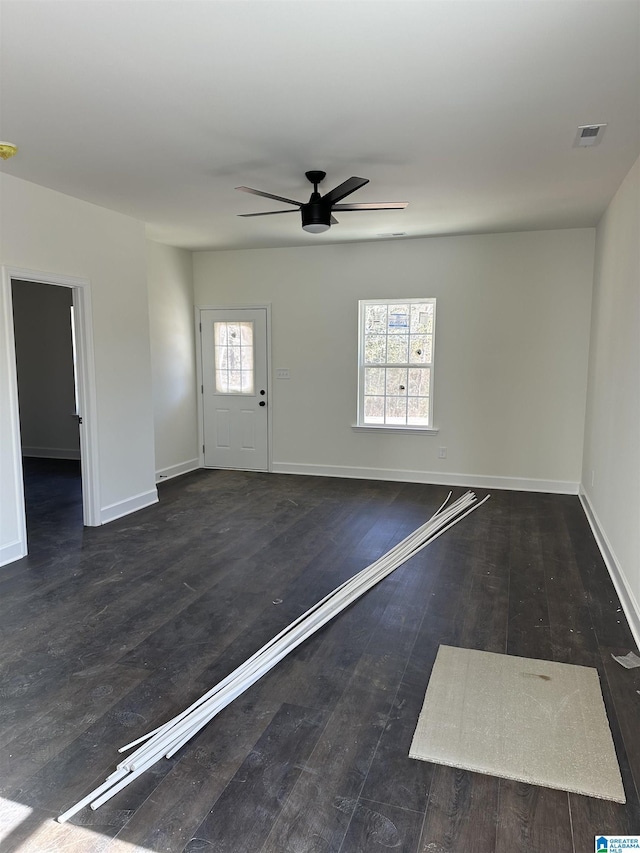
<point x="611" y="467"/>
<point x="511" y="352"/>
<point x="171" y="319"/>
<point x="46" y="231"/>
<point x="44" y="354"/>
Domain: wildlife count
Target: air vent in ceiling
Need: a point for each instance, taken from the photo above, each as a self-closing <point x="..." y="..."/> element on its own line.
<point x="589" y="135"/>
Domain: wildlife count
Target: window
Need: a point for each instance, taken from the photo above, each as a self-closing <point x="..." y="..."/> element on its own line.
<point x="233" y="344"/>
<point x="395" y="381"/>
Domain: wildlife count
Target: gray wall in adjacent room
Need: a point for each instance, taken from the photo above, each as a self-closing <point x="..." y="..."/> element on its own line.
<point x="44" y="356"/>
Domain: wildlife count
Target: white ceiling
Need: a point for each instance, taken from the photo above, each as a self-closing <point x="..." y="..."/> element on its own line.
<point x="466" y="110"/>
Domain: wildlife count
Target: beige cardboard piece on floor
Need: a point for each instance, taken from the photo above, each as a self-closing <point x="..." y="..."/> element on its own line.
<point x="531" y="720"/>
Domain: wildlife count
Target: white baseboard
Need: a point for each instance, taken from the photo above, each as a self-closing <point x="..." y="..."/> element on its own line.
<point x="627" y="599"/>
<point x="127" y="506"/>
<point x="51" y="452"/>
<point x="12" y="551"/>
<point x="436" y="478"/>
<point x="177" y="470"/>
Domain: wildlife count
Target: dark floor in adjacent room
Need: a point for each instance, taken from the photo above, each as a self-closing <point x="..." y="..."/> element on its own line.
<point x="107" y="632"/>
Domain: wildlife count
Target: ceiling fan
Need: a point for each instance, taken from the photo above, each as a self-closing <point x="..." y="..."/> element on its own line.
<point x="317" y="213"/>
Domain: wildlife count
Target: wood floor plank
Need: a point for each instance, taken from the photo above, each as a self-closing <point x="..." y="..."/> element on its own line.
<point x="529" y="628"/>
<point x="572" y="634"/>
<point x="442" y="624"/>
<point x="316" y="811"/>
<point x="461" y="813"/>
<point x="532" y="819"/>
<point x="47" y="734"/>
<point x="252" y="800"/>
<point x="380" y="827"/>
<point x="393" y="778"/>
<point x="591" y="817"/>
<point x="486" y="614"/>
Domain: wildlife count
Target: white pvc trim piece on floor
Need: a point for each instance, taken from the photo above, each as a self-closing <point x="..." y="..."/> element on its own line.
<point x="167" y="739"/>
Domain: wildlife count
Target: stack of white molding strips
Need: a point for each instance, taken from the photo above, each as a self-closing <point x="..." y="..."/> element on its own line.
<point x="173" y="735"/>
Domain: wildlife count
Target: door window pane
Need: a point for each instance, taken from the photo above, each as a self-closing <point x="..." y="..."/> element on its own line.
<point x="234" y="357"/>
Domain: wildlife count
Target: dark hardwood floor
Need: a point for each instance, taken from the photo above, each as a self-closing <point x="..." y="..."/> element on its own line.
<point x="107" y="632"/>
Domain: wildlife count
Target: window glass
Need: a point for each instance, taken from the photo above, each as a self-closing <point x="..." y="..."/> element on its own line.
<point x="396" y="362"/>
<point x="234" y="359"/>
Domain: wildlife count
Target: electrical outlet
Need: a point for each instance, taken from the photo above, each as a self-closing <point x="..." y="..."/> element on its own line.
<point x="442" y="453"/>
<point x="282" y="373"/>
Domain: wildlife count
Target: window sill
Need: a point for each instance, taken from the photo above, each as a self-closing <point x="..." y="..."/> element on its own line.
<point x="386" y="428"/>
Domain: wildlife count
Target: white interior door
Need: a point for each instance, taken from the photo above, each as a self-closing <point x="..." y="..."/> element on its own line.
<point x="234" y="388"/>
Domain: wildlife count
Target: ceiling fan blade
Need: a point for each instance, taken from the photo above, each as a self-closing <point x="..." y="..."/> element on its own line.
<point x="344" y="189"/>
<point x="334" y="221"/>
<point x="270" y="195"/>
<point x="270" y="212"/>
<point x="381" y="205"/>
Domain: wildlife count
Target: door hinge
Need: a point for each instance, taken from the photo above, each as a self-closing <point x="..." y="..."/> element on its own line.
<point x="200" y="326"/>
<point x="203" y="448"/>
<point x="202" y="389"/>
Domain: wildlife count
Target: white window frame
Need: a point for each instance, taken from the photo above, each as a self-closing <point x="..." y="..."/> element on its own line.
<point x="393" y="428"/>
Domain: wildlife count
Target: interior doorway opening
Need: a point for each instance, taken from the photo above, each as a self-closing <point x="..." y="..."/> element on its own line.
<point x="82" y="414"/>
<point x="49" y="408"/>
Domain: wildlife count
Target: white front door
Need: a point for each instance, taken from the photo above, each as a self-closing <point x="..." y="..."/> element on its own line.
<point x="234" y="388"/>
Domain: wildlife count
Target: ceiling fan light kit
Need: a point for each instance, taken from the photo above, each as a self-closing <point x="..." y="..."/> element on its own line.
<point x="317" y="213"/>
<point x="315" y="227"/>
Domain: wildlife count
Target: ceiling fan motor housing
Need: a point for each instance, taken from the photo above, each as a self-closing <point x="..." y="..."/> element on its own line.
<point x="316" y="216"/>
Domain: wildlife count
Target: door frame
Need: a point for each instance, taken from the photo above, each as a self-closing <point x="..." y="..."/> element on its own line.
<point x="252" y="307"/>
<point x="87" y="403"/>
